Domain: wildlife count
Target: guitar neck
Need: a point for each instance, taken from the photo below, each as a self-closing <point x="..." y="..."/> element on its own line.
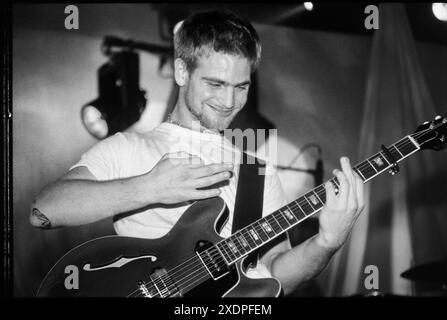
<point x="264" y="230"/>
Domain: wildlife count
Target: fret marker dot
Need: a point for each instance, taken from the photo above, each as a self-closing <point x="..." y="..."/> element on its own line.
<point x="378" y="161"/>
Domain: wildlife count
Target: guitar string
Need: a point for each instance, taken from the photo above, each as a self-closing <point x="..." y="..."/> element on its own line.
<point x="273" y="219"/>
<point x="191" y="277"/>
<point x="278" y="224"/>
<point x="197" y="278"/>
<point x="396" y="145"/>
<point x="270" y="216"/>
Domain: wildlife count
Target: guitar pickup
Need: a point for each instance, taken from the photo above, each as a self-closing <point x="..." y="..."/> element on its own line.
<point x="212" y="259"/>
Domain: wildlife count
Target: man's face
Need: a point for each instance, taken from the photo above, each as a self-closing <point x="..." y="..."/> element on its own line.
<point x="216" y="90"/>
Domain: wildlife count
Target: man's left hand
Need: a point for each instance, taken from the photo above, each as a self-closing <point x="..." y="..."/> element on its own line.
<point x="342" y="209"/>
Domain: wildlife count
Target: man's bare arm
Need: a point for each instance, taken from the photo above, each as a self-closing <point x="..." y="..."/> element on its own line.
<point x="77" y="198"/>
<point x="39" y="220"/>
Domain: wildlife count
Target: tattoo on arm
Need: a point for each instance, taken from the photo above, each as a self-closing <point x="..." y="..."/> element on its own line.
<point x="43" y="221"/>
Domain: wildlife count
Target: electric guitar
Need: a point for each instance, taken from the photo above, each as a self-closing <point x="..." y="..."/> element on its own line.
<point x="192" y="260"/>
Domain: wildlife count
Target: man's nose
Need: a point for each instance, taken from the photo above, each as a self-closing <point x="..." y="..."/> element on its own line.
<point x="227" y="98"/>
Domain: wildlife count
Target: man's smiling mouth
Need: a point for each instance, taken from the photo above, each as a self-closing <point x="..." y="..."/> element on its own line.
<point x="224" y="111"/>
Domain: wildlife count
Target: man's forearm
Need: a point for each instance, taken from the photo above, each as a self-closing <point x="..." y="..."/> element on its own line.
<point x="301" y="263"/>
<point x="78" y="202"/>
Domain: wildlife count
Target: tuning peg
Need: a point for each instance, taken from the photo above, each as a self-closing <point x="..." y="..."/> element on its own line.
<point x="426" y="122"/>
<point x="438" y="117"/>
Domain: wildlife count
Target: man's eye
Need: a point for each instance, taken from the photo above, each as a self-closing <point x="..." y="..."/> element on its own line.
<point x="243" y="88"/>
<point x="214" y="85"/>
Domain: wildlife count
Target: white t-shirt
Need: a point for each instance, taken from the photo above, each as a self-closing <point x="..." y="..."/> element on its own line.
<point x="130" y="154"/>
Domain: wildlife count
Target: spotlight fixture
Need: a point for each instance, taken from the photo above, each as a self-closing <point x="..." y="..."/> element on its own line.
<point x="440" y="10"/>
<point x="120" y="102"/>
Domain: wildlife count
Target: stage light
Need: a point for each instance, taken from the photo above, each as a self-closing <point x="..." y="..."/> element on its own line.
<point x="120" y="102"/>
<point x="308" y="6"/>
<point x="440" y="10"/>
<point x="94" y="121"/>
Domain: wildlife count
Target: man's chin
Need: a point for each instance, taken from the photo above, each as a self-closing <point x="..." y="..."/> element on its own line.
<point x="216" y="125"/>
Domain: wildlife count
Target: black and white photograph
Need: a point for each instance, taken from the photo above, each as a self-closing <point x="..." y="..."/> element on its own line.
<point x="227" y="150"/>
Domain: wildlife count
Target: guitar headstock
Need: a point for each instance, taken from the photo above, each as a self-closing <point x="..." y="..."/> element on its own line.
<point x="432" y="134"/>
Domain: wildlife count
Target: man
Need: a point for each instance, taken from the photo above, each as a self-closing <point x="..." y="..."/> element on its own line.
<point x="146" y="181"/>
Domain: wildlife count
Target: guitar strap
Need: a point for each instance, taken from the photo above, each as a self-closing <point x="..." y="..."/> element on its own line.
<point x="249" y="194"/>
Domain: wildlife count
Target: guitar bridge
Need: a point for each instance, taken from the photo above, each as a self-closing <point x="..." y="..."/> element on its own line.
<point x="160" y="286"/>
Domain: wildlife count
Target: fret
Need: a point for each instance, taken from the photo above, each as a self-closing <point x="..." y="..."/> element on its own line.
<point x="379" y="162"/>
<point x="407" y="146"/>
<point x="395" y="146"/>
<point x="360" y="173"/>
<point x="383" y="157"/>
<point x="230" y="252"/>
<point x="224" y="251"/>
<point x="273" y="223"/>
<point x="243" y="241"/>
<point x="283" y="222"/>
<point x="375" y="169"/>
<point x="301" y="213"/>
<point x="260" y="230"/>
<point x="313" y="201"/>
<point x="232" y="247"/>
<point x="221" y="250"/>
<point x="238" y="244"/>
<point x="267" y="228"/>
<point x="288" y="213"/>
<point x="367" y="170"/>
<point x="255" y="236"/>
<point x="335" y="181"/>
<point x="249" y="238"/>
<point x="306" y="206"/>
<point x="321" y="193"/>
<point x="318" y="197"/>
<point x="394" y="153"/>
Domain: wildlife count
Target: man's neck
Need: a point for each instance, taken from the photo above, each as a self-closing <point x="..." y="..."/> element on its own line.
<point x="182" y="117"/>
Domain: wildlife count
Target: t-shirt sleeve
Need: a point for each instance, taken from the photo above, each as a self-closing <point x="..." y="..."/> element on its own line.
<point x="106" y="160"/>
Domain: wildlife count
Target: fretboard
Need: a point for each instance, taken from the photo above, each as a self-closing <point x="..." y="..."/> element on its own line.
<point x="262" y="231"/>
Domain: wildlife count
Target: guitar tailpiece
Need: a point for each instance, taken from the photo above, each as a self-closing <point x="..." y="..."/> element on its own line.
<point x="143" y="289"/>
<point x="389" y="157"/>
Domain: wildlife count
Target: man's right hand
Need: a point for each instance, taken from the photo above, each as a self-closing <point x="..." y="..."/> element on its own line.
<point x="180" y="177"/>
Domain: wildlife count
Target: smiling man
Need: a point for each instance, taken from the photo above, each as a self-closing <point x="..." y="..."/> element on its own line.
<point x="213" y="68"/>
<point x="147" y="181"/>
<point x="214" y="92"/>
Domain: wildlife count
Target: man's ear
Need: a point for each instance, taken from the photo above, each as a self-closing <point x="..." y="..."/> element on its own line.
<point x="180" y="72"/>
